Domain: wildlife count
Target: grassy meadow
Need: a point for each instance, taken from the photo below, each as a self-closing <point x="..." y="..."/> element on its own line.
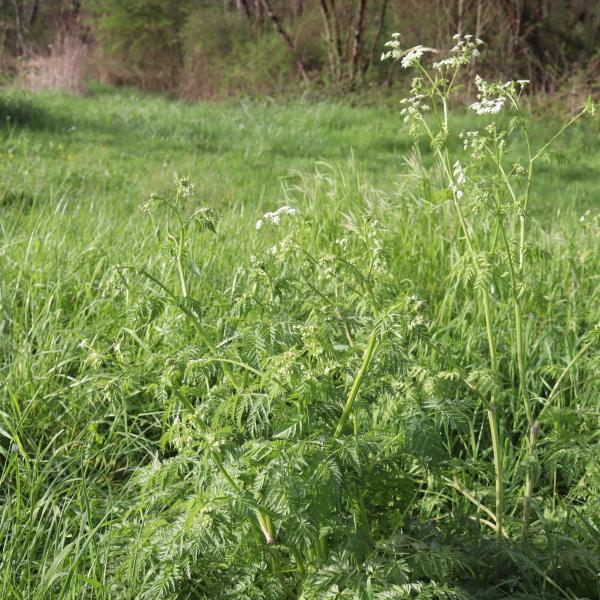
<point x="192" y="406"/>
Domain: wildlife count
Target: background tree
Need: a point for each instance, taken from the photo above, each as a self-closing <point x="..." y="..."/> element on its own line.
<point x="267" y="46"/>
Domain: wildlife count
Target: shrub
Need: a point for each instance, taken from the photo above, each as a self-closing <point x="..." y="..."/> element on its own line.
<point x="139" y="41"/>
<point x="223" y="55"/>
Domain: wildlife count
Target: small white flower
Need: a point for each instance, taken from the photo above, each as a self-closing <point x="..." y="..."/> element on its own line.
<point x="459" y="173"/>
<point x="418" y="321"/>
<point x="462" y="53"/>
<point x="459" y="180"/>
<point x="488" y="106"/>
<point x="457" y="192"/>
<point x="411" y="58"/>
<point x="446" y="62"/>
<point x="275" y="217"/>
<point x="474" y="143"/>
<point x="342" y="242"/>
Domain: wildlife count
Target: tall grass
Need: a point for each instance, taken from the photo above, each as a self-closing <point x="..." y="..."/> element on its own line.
<point x="294" y="411"/>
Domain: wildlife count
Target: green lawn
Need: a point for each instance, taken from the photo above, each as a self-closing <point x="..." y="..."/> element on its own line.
<point x="148" y="416"/>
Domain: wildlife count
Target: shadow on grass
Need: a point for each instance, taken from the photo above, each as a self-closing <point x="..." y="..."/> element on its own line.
<point x="25" y="113"/>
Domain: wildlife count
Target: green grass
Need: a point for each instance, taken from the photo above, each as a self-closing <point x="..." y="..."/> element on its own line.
<point x="124" y="145"/>
<point x="124" y="419"/>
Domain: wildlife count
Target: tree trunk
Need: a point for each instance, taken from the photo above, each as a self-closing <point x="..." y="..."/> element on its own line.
<point x="332" y="52"/>
<point x="287" y="39"/>
<point x="20" y="46"/>
<point x="372" y="53"/>
<point x="33" y="13"/>
<point x="337" y="38"/>
<point x="258" y="14"/>
<point x="357" y="43"/>
<point x="242" y="6"/>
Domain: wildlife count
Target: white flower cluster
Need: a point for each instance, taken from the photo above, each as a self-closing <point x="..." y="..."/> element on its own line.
<point x="283" y="249"/>
<point x="417" y="322"/>
<point x="459" y="180"/>
<point x="412" y="56"/>
<point x="413" y="107"/>
<point x="473" y="142"/>
<point x="328" y="264"/>
<point x="462" y="53"/>
<point x="394" y="44"/>
<point x="492" y="96"/>
<point x="591" y="224"/>
<point x="408" y="58"/>
<point x="94" y="357"/>
<point x="148" y="205"/>
<point x="415" y="305"/>
<point x="275" y="217"/>
<point x="483" y="107"/>
<point x="185" y="188"/>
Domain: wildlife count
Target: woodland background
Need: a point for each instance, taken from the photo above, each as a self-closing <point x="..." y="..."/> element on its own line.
<point x="195" y="49"/>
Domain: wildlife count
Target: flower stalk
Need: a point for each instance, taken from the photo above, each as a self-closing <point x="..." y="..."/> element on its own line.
<point x="358" y="379"/>
<point x="431" y="90"/>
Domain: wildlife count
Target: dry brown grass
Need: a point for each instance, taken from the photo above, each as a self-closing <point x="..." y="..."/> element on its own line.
<point x="65" y="67"/>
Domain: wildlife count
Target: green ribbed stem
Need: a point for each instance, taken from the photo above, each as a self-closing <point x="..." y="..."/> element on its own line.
<point x="364" y="367"/>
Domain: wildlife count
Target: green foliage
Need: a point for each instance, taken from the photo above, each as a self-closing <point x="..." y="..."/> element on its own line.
<point x="140" y="40"/>
<point x="211" y="40"/>
<point x="194" y="407"/>
<point x="202" y="48"/>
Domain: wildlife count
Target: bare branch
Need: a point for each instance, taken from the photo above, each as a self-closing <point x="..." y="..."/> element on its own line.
<point x="287" y="39"/>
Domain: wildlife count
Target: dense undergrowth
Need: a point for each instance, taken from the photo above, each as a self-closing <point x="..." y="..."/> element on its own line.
<point x="199" y="404"/>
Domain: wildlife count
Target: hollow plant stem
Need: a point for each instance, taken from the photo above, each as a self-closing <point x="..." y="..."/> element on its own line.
<point x="179" y="260"/>
<point x="498" y="463"/>
<point x="364" y="367"/>
<point x="444" y="158"/>
<point x="487" y="312"/>
<point x="531" y="453"/>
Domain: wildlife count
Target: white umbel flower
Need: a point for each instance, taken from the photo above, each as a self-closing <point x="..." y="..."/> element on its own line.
<point x="483" y="107"/>
<point x="412" y="56"/>
<point x="275" y="217"/>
